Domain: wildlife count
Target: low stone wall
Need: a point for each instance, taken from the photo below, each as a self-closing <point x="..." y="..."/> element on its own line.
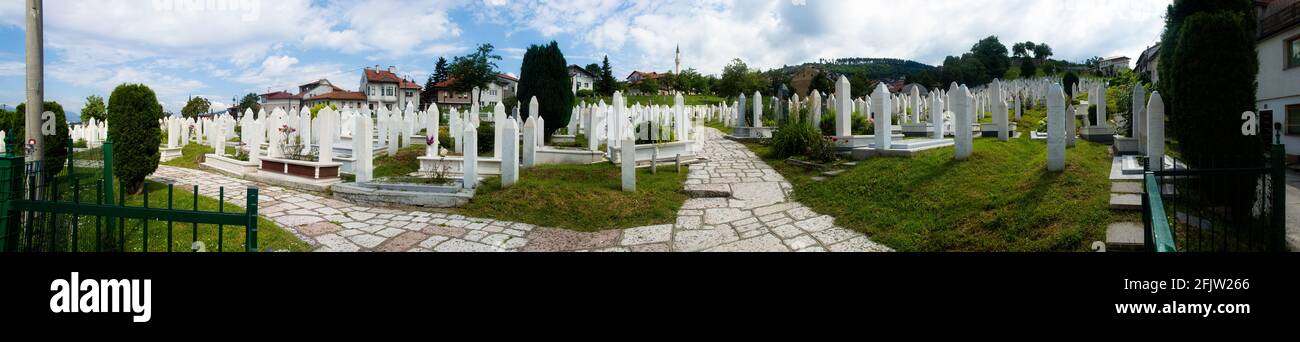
<point x="428" y="196"/>
<point x="230" y="166"/>
<point x="666" y="151"/>
<point x="456" y="165"/>
<point x="557" y="156"/>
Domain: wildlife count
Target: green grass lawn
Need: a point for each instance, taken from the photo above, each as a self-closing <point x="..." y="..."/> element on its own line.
<point x="584" y="198"/>
<point x="191" y="154"/>
<point x="1001" y="199"/>
<point x="400" y="165"/>
<point x="232" y="237"/>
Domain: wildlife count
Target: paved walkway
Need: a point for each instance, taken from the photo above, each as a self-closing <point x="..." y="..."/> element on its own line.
<point x="759" y="217"/>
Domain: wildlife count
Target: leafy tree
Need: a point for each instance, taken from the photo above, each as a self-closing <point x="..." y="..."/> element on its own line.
<point x="545" y="75"/>
<point x="195" y="107"/>
<point x="1027" y="68"/>
<point x="594" y="70"/>
<point x="94" y="109"/>
<point x="778" y="78"/>
<point x="738" y="79"/>
<point x="648" y="86"/>
<point x="1022" y="50"/>
<point x="1042" y="52"/>
<point x="861" y="85"/>
<point x="1069" y="81"/>
<point x="316" y="109"/>
<point x="822" y="82"/>
<point x="1175" y="15"/>
<point x="56" y="147"/>
<point x="1093" y="62"/>
<point x="134" y="111"/>
<point x="250" y="101"/>
<point x="477" y="70"/>
<point x="607" y="83"/>
<point x="993" y="56"/>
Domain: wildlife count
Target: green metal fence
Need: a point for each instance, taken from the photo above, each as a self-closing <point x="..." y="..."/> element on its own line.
<point x="1232" y="206"/>
<point x="75" y="210"/>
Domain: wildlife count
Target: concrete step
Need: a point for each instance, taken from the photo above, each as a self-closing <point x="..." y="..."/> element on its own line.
<point x="1126" y="202"/>
<point x="833" y="173"/>
<point x="1126" y="188"/>
<point x="708" y="191"/>
<point x="1125" y="237"/>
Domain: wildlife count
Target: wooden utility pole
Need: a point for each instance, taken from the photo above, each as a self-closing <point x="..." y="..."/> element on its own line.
<point x="35" y="79"/>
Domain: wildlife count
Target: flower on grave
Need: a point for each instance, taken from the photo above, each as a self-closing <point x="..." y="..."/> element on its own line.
<point x="430" y="140"/>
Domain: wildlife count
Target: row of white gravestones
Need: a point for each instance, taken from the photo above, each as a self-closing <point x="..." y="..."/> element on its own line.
<point x="1000" y="111"/>
<point x="1057" y="119"/>
<point x="884" y="132"/>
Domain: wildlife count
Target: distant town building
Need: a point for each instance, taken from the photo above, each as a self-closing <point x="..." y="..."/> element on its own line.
<point x="384" y="88"/>
<point x="1278" y="46"/>
<point x="1148" y="64"/>
<point x="1113" y="65"/>
<point x="582" y="80"/>
<point x="280" y="99"/>
<point x="803" y="78"/>
<point x="504" y="87"/>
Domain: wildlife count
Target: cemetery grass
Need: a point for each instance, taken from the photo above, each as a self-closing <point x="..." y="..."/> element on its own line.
<point x="191" y="154"/>
<point x="269" y="234"/>
<point x="584" y="198"/>
<point x="1001" y="199"/>
<point x="403" y="163"/>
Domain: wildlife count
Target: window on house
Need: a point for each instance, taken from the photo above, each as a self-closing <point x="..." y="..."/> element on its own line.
<point x="1293" y="53"/>
<point x="1293" y="119"/>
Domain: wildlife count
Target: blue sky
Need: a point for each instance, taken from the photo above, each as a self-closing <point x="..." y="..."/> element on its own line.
<point x="222" y="48"/>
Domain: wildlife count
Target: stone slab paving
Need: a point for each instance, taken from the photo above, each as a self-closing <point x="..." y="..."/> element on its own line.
<point x="758" y="217"/>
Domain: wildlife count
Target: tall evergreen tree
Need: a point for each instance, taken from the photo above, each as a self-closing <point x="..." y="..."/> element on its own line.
<point x="545" y="75"/>
<point x="607" y="83"/>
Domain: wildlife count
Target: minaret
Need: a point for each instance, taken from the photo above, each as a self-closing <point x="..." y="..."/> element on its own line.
<point x="678" y="69"/>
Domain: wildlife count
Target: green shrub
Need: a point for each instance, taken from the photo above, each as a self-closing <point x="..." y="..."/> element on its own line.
<point x="134" y="111"/>
<point x="1092" y="113"/>
<point x="486" y="137"/>
<point x="585" y="93"/>
<point x="1069" y="81"/>
<point x="862" y="125"/>
<point x="56" y="147"/>
<point x="796" y="139"/>
<point x="80" y="143"/>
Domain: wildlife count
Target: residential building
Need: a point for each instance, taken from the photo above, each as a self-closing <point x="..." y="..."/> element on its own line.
<point x="339" y="99"/>
<point x="1148" y="64"/>
<point x="1278" y="96"/>
<point x="1113" y="65"/>
<point x="280" y="99"/>
<point x="582" y="79"/>
<point x="505" y="86"/>
<point x="636" y="77"/>
<point x="383" y="88"/>
<point x="319" y="87"/>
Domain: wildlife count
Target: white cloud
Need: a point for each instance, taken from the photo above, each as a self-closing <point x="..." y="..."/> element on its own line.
<point x="393" y="28"/>
<point x="13" y="68"/>
<point x="772" y="33"/>
<point x="286" y="73"/>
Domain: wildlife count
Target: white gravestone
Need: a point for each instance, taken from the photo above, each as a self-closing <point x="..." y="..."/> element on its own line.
<point x="470" y="167"/>
<point x="363" y="151"/>
<point x="1155" y="128"/>
<point x="843" y="111"/>
<point x="881" y="98"/>
<point x="509" y="153"/>
<point x="1056" y="129"/>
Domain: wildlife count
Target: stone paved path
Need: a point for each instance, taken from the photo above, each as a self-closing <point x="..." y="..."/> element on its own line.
<point x="759" y="217"/>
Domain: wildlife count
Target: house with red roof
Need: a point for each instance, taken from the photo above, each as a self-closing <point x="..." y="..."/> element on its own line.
<point x="383" y="88"/>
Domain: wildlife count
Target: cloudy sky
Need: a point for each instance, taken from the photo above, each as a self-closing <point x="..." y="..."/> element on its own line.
<point x="222" y="48"/>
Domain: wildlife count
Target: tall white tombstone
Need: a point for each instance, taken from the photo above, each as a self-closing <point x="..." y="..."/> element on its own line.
<point x="758" y="110"/>
<point x="1103" y="118"/>
<point x="498" y="131"/>
<point x="394" y="129"/>
<point x="1000" y="112"/>
<point x="363" y="152"/>
<point x="1056" y="129"/>
<point x="740" y="112"/>
<point x="455" y="129"/>
<point x="915" y="100"/>
<point x="628" y="159"/>
<point x="470" y="167"/>
<point x="254" y="143"/>
<point x="1155" y="131"/>
<point x="843" y="111"/>
<point x="432" y="130"/>
<point x="936" y="115"/>
<point x="275" y="148"/>
<point x="509" y="153"/>
<point x="962" y="108"/>
<point x="1139" y="123"/>
<point x="815" y="110"/>
<point x="881" y="98"/>
<point x="530" y="141"/>
<point x="328" y="119"/>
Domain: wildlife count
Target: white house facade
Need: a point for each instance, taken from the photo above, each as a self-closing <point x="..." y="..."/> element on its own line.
<point x="1278" y="96"/>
